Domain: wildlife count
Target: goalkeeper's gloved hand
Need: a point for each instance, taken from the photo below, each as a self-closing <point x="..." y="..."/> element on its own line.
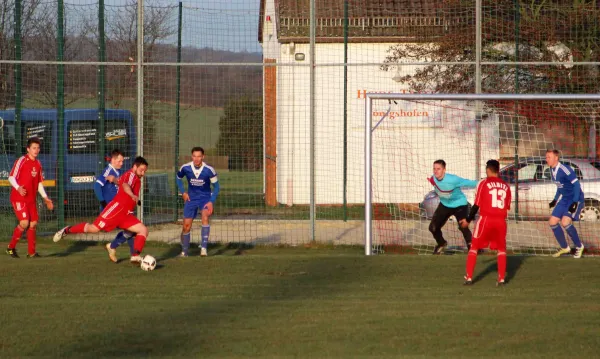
<point x="103" y="203"/>
<point x="553" y="203"/>
<point x="573" y="207"/>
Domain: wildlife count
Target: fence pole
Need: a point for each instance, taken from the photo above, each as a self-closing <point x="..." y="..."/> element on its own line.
<point x="140" y="94"/>
<point x="101" y="80"/>
<point x="313" y="26"/>
<point x="60" y="112"/>
<point x="18" y="75"/>
<point x="177" y="106"/>
<point x="345" y="175"/>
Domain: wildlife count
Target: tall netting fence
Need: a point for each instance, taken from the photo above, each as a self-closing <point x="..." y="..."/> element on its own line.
<point x="279" y="113"/>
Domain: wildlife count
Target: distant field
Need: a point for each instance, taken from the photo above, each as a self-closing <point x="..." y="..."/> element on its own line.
<point x="199" y="125"/>
<point x="306" y="302"/>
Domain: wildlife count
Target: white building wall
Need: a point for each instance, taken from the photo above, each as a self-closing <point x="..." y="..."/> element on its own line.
<point x="405" y="144"/>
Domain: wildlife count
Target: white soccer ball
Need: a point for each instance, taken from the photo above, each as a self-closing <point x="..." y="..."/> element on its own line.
<point x="148" y="263"/>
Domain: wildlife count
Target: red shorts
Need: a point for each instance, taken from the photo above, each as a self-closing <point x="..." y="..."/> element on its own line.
<point x="490" y="232"/>
<point x="25" y="211"/>
<point x="115" y="215"/>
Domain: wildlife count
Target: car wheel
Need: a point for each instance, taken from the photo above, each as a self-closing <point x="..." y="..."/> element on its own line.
<point x="590" y="211"/>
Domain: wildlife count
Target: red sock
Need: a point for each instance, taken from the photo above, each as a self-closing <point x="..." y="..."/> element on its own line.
<point x="17" y="233"/>
<point x="138" y="243"/>
<point x="471" y="261"/>
<point x="78" y="228"/>
<point x="31" y="241"/>
<point x="501" y="265"/>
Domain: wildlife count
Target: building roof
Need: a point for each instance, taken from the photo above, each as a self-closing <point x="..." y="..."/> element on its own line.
<point x="368" y="20"/>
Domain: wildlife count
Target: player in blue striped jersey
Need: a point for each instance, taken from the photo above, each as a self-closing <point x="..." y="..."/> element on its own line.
<point x="106" y="187"/>
<point x="199" y="196"/>
<point x="567" y="204"/>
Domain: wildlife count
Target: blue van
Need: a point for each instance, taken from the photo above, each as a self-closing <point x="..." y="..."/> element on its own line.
<point x="81" y="148"/>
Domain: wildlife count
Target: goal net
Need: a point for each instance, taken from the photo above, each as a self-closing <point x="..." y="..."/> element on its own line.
<point x="407" y="136"/>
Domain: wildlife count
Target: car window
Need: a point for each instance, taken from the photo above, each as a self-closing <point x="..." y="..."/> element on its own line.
<point x="527" y="172"/>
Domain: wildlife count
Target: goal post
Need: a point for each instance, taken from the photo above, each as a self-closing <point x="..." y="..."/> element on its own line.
<point x="404" y="133"/>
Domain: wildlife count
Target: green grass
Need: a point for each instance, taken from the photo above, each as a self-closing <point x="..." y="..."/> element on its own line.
<point x="296" y="302"/>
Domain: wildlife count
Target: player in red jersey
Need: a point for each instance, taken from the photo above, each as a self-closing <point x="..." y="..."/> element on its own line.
<point x="26" y="179"/>
<point x="493" y="198"/>
<point x="119" y="213"/>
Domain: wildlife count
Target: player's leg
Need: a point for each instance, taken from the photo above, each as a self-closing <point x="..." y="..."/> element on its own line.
<point x="31" y="234"/>
<point x="440" y="216"/>
<point x="22" y="215"/>
<point x="206" y="213"/>
<point x="567" y="223"/>
<point x="480" y="241"/>
<point x="122" y="237"/>
<point x="557" y="213"/>
<point x="132" y="224"/>
<point x="190" y="211"/>
<point x="498" y="240"/>
<point x="82" y="227"/>
<point x="462" y="212"/>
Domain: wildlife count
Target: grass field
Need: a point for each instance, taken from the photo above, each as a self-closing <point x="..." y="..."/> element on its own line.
<point x="296" y="302"/>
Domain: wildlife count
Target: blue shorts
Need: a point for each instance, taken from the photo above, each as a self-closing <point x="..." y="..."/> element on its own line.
<point x="190" y="208"/>
<point x="562" y="210"/>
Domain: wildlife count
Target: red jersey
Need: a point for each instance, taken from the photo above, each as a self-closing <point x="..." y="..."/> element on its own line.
<point x="493" y="197"/>
<point x="28" y="174"/>
<point x="134" y="182"/>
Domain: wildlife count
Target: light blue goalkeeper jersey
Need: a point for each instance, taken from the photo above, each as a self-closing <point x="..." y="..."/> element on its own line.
<point x="448" y="189"/>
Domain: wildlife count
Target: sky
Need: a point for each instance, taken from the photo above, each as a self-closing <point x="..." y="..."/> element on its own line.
<point x="220" y="24"/>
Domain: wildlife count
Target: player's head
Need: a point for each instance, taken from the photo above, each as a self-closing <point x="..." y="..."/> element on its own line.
<point x="116" y="159"/>
<point x="197" y="156"/>
<point x="552" y="157"/>
<point x="140" y="165"/>
<point x="439" y="169"/>
<point x="33" y="146"/>
<point x="492" y="167"/>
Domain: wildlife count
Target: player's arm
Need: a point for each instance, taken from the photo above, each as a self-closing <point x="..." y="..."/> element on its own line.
<point x="576" y="190"/>
<point x="179" y="181"/>
<point x="100" y="182"/>
<point x="12" y="177"/>
<point x="127" y="189"/>
<point x="42" y="193"/>
<point x="463" y="182"/>
<point x="475" y="207"/>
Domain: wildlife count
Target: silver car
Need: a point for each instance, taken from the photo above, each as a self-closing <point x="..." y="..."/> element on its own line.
<point x="535" y="189"/>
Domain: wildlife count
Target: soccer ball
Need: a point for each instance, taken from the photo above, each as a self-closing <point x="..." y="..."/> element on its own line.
<point x="148" y="263"/>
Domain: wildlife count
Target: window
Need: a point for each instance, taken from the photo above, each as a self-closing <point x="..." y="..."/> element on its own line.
<point x="9" y="143"/>
<point x="527" y="172"/>
<point x="40" y="129"/>
<point x="83" y="137"/>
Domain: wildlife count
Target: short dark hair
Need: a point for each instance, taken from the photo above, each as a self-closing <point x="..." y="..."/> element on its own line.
<point x="116" y="153"/>
<point x="33" y="140"/>
<point x="440" y="162"/>
<point x="493" y="165"/>
<point x="139" y="160"/>
<point x="197" y="148"/>
<point x="554" y="150"/>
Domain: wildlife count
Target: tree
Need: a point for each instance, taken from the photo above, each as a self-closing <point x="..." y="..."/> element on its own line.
<point x="536" y="30"/>
<point x="241" y="133"/>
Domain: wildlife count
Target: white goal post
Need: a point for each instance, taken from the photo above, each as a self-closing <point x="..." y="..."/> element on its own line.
<point x="378" y="113"/>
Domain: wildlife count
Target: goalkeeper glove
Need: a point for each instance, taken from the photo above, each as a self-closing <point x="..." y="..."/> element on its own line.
<point x="553" y="203"/>
<point x="103" y="203"/>
<point x="139" y="202"/>
<point x="573" y="207"/>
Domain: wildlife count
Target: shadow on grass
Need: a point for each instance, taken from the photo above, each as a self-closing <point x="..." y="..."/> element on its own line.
<point x="76" y="247"/>
<point x="304" y="280"/>
<point x="513" y="265"/>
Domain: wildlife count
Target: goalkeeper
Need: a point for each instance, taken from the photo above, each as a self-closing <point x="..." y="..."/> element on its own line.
<point x="452" y="203"/>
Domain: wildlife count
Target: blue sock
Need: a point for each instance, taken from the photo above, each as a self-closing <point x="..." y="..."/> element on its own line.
<point x="205" y="233"/>
<point x="560" y="236"/>
<point x="119" y="239"/>
<point x="130" y="240"/>
<point x="572" y="232"/>
<point x="185" y="242"/>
